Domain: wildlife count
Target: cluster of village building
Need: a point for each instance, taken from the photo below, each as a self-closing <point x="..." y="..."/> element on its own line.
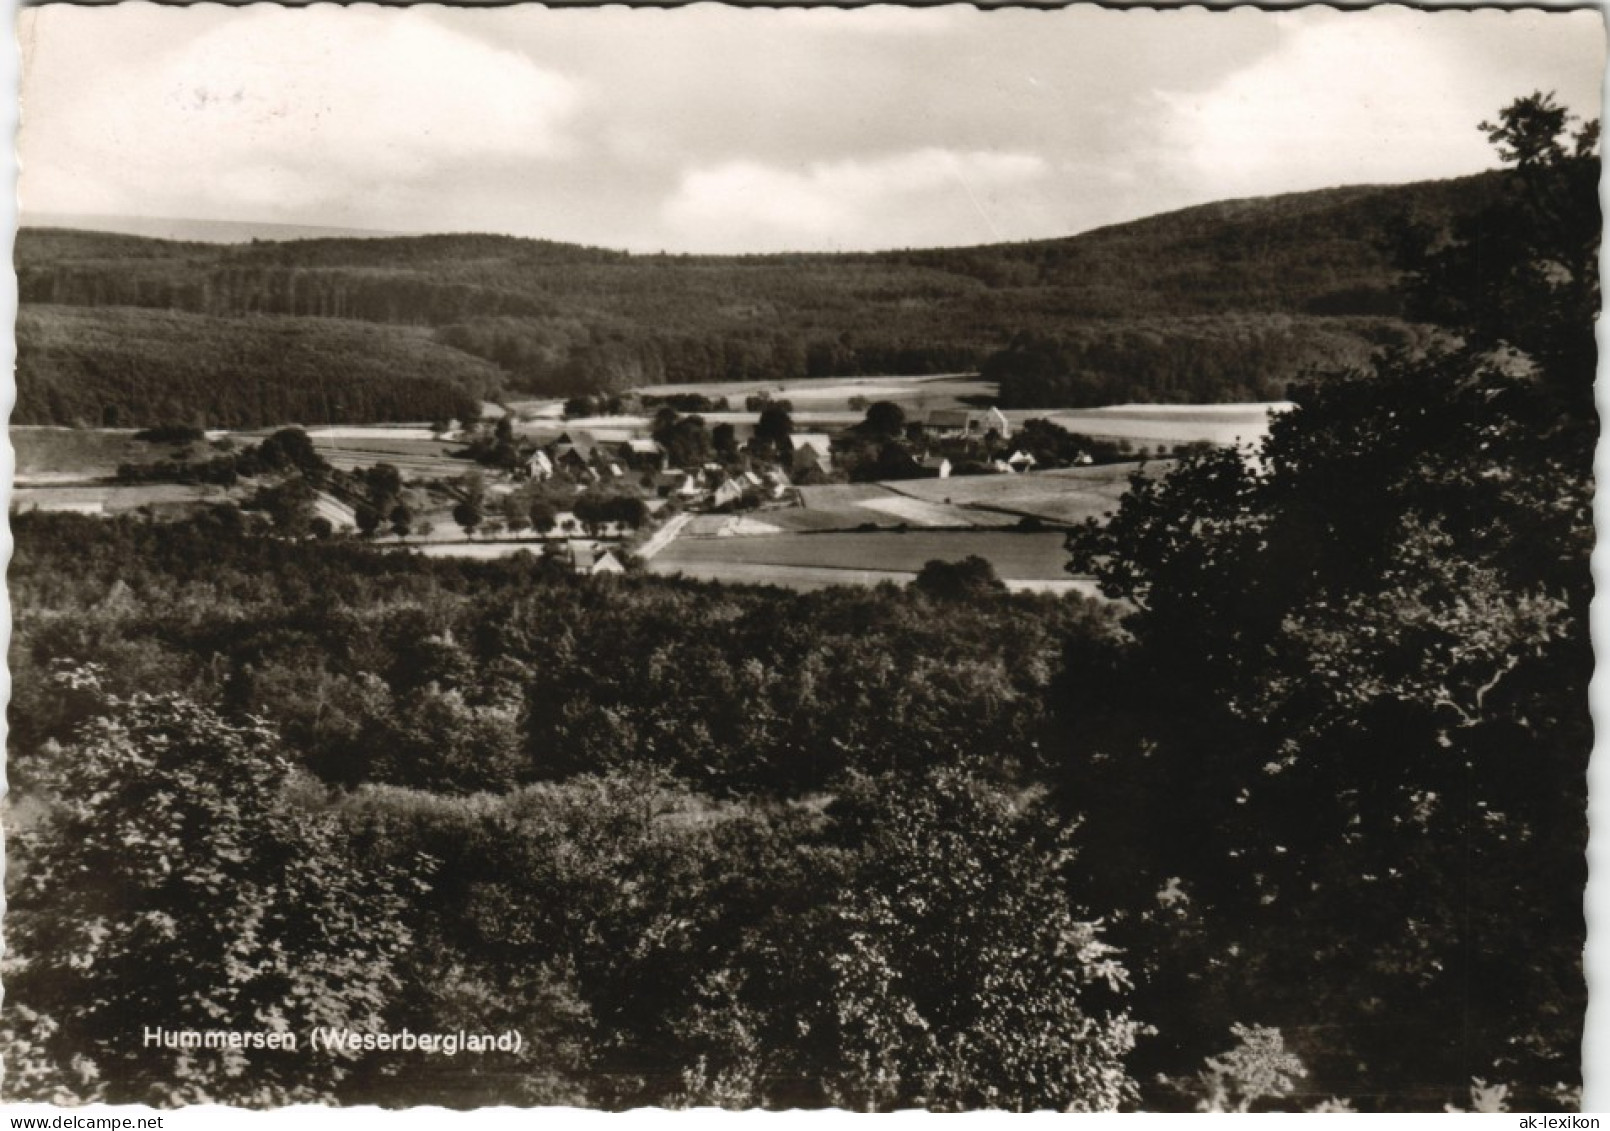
<point x="622" y="463"/>
<point x="598" y="455"/>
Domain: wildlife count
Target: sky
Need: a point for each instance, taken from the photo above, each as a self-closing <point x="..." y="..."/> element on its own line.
<point x="720" y="129"/>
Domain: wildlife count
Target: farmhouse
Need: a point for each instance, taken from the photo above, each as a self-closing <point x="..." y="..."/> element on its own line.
<point x="606" y="563"/>
<point x="643" y="455"/>
<point x="575" y="458"/>
<point x="960" y="424"/>
<point x="594" y="560"/>
<point x="937" y="466"/>
<point x="777" y="482"/>
<point x="812" y="452"/>
<point x="729" y="492"/>
<point x="539" y="466"/>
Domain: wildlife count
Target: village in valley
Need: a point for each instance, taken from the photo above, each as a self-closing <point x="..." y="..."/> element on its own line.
<point x="801" y="484"/>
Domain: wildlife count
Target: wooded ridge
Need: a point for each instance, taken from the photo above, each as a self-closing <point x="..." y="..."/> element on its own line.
<point x="1220" y="302"/>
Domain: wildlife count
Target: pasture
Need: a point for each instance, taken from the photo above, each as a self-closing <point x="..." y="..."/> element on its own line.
<point x="1065" y="495"/>
<point x="48" y="454"/>
<point x="847" y="506"/>
<point x="478" y="551"/>
<point x="1222" y="424"/>
<point x="115" y="499"/>
<point x="412" y="449"/>
<point x="412" y="457"/>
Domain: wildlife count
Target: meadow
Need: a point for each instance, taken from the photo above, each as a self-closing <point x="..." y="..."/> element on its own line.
<point x="1224" y="424"/>
<point x="52" y="454"/>
<point x="114" y="499"/>
<point x="1064" y="496"/>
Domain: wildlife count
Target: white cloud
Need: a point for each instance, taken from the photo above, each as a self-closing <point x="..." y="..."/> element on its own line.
<point x="1382" y="96"/>
<point x="280" y="108"/>
<point x="926" y="196"/>
<point x="722" y="127"/>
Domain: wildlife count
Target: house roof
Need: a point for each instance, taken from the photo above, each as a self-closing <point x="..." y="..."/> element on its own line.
<point x="612" y="435"/>
<point x="821" y="441"/>
<point x="948" y="418"/>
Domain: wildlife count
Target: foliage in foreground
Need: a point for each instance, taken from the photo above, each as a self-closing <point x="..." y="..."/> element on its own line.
<point x="909" y="945"/>
<point x="1358" y="685"/>
<point x="743" y="847"/>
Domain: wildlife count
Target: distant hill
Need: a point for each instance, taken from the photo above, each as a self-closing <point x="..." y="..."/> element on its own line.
<point x="195" y="231"/>
<point x="1220" y="302"/>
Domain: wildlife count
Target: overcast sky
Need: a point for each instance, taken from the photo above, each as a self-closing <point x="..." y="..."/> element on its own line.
<point x="723" y="129"/>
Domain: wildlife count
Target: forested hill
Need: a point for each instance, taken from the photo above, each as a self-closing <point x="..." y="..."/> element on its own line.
<point x="1219" y="302"/>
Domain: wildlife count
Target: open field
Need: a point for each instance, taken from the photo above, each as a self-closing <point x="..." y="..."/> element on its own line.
<point x="377" y="432"/>
<point x="850" y="505"/>
<point x="47" y="454"/>
<point x="1015" y="556"/>
<point x="1167" y="424"/>
<point x="112" y="499"/>
<point x="480" y="551"/>
<point x="804" y="520"/>
<point x="413" y="458"/>
<point x="1066" y="495"/>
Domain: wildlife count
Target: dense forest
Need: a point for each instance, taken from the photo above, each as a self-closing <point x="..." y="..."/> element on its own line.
<point x="604" y="811"/>
<point x="117" y="366"/>
<point x="1296" y="820"/>
<point x="1221" y="302"/>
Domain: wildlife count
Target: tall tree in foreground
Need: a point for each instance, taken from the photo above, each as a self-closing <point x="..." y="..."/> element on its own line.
<point x="1346" y="753"/>
<point x="927" y="956"/>
<point x="171" y="887"/>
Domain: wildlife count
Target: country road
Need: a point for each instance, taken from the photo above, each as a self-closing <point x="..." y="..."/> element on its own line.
<point x="664" y="536"/>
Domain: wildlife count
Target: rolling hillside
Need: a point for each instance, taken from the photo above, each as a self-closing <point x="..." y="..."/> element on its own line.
<point x="1225" y="301"/>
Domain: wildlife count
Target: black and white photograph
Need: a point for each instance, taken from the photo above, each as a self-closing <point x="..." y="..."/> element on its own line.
<point x="872" y="559"/>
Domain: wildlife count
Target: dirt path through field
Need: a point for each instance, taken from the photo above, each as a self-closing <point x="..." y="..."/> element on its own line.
<point x="664" y="536"/>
